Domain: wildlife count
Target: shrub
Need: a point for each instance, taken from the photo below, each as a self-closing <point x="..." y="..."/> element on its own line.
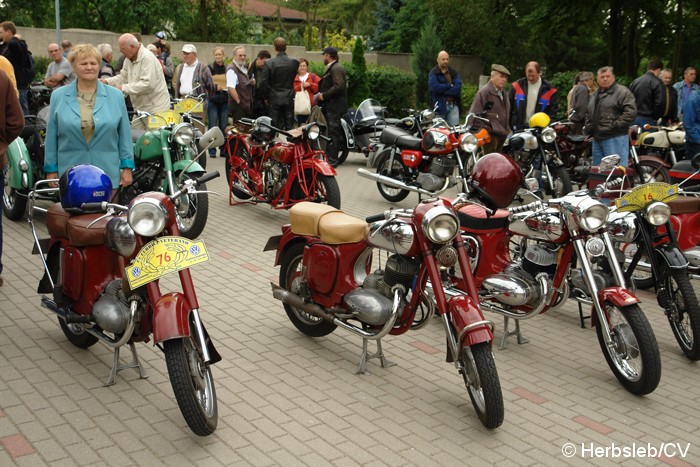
<point x="41" y="64"/>
<point x="469" y="91"/>
<point x="360" y="87"/>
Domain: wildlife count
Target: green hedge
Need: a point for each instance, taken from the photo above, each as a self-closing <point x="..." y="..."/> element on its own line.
<point x="41" y="64"/>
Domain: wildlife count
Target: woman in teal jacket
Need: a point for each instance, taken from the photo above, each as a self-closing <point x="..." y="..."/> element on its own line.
<point x="88" y="123"/>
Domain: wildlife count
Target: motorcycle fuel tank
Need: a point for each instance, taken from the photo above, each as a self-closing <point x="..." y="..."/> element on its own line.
<point x="148" y="146"/>
<point x="282" y="152"/>
<point x="543" y="225"/>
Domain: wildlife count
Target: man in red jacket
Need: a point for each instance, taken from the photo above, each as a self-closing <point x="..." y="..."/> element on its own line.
<point x="530" y="95"/>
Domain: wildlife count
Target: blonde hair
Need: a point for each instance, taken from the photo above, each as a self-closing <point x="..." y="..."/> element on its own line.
<point x="81" y="51"/>
<point x="218" y="47"/>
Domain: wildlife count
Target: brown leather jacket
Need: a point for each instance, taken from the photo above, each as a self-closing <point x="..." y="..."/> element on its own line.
<point x="11" y="118"/>
<point x="498" y="115"/>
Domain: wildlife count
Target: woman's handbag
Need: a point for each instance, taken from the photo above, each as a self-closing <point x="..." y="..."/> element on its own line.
<point x="302" y="103"/>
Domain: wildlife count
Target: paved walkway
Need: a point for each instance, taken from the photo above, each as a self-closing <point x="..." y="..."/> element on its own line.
<point x="286" y="399"/>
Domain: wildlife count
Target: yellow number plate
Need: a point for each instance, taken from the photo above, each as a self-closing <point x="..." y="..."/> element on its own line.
<point x="163" y="118"/>
<point x="642" y="195"/>
<point x="163" y="256"/>
<point x="188" y="105"/>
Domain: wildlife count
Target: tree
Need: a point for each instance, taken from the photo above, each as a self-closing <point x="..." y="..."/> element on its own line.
<point x="360" y="87"/>
<point x="425" y="50"/>
<point x="407" y="25"/>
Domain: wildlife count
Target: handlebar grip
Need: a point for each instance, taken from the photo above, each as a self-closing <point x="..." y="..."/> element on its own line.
<point x="375" y="218"/>
<point x="691" y="189"/>
<point x="526" y="207"/>
<point x="247" y="121"/>
<point x="604" y="186"/>
<point x="206" y="177"/>
<point x="94" y="207"/>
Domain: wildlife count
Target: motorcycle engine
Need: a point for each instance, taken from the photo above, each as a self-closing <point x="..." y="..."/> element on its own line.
<point x="145" y="178"/>
<point x="275" y="178"/>
<point x="111" y="311"/>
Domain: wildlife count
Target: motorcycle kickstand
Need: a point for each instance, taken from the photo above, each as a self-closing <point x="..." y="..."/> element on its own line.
<point x="367" y="356"/>
<point x="515" y="332"/>
<point x="116" y="366"/>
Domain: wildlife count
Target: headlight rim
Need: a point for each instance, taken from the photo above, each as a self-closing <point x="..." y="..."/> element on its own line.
<point x="188" y="131"/>
<point x="313" y="132"/>
<point x="548" y="135"/>
<point x="468" y="143"/>
<point x="147" y="205"/>
<point x="651" y="216"/>
<point x="583" y="212"/>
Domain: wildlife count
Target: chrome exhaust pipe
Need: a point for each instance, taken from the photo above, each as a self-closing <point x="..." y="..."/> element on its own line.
<point x="384" y="180"/>
<point x="291" y="299"/>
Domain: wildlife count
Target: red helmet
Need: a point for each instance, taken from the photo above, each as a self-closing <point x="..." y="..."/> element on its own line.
<point x="496" y="179"/>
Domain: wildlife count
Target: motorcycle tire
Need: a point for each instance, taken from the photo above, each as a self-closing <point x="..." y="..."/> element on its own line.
<point x="653" y="171"/>
<point x="397" y="171"/>
<point x="290" y="279"/>
<point x="192" y="210"/>
<point x="77" y="335"/>
<point x="484" y="387"/>
<point x="327" y="190"/>
<point x="682" y="311"/>
<point x="14" y="202"/>
<point x="562" y="182"/>
<point x="343" y="150"/>
<point x="641" y="279"/>
<point x="193" y="385"/>
<point x="634" y="358"/>
<point x="240" y="193"/>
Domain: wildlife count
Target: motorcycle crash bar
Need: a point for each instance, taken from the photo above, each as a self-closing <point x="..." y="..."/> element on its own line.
<point x="298" y="302"/>
<point x="384" y="180"/>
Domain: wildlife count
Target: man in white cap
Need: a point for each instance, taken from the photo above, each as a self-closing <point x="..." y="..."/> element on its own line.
<point x="141" y="78"/>
<point x="191" y="76"/>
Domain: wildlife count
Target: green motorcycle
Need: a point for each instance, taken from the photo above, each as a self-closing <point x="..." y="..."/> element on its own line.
<point x="165" y="153"/>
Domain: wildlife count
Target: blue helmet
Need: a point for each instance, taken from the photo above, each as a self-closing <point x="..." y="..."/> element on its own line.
<point x="84" y="183"/>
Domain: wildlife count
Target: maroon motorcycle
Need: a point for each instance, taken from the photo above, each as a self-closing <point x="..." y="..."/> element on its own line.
<point x="330" y="277"/>
<point x="102" y="266"/>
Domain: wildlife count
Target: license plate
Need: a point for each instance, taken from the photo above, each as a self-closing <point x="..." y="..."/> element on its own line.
<point x="642" y="195"/>
<point x="188" y="105"/>
<point x="163" y="256"/>
<point x="163" y="118"/>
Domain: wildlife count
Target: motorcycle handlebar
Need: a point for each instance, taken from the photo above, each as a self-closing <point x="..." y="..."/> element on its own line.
<point x="375" y="218"/>
<point x="206" y="177"/>
<point x="94" y="207"/>
<point x="691" y="189"/>
<point x="600" y="189"/>
<point x="534" y="206"/>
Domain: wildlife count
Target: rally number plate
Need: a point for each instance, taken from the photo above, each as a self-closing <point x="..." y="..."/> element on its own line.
<point x="163" y="256"/>
<point x="642" y="195"/>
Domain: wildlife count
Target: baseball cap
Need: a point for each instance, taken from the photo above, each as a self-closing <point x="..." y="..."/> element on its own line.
<point x="189" y="48"/>
<point x="160" y="35"/>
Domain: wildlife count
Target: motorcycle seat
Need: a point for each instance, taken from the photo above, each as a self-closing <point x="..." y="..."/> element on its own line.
<point x="79" y="234"/>
<point x="329" y="224"/>
<point x="56" y="220"/>
<point x="684" y="205"/>
<point x="136" y="134"/>
<point x="576" y="138"/>
<point x="475" y="218"/>
<point x="398" y="137"/>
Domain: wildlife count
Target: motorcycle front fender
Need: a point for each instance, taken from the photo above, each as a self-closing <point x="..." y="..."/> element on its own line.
<point x="618" y="296"/>
<point x="171" y="317"/>
<point x="21" y="165"/>
<point x="465" y="312"/>
<point x="319" y="165"/>
<point x="672" y="255"/>
<point x="181" y="165"/>
<point x="349" y="137"/>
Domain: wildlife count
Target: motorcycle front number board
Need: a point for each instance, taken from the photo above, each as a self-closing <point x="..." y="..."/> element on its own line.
<point x="163" y="256"/>
<point x="639" y="197"/>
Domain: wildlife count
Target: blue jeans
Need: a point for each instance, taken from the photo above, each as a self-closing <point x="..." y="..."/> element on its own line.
<point x="451" y="116"/>
<point x="217" y="115"/>
<point x="23" y="100"/>
<point x="619" y="145"/>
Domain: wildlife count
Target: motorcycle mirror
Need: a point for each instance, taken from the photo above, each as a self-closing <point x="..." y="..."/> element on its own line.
<point x="213" y="137"/>
<point x="609" y="162"/>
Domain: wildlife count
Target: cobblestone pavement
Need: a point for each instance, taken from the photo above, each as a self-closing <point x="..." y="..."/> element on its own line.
<point x="287" y="399"/>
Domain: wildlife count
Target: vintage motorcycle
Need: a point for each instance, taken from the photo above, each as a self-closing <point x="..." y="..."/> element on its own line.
<point x="102" y="266"/>
<point x="362" y="128"/>
<point x="38" y="99"/>
<point x="539" y="142"/>
<point x="556" y="244"/>
<point x="25" y="165"/>
<point x="263" y="169"/>
<point x="665" y="142"/>
<point x="415" y="123"/>
<point x="574" y="151"/>
<point x="165" y="154"/>
<point x="326" y="281"/>
<point x="640" y="225"/>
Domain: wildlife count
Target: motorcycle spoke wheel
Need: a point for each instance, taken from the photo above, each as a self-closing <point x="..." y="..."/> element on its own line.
<point x="193" y="385"/>
<point x="324" y="190"/>
<point x="652" y="171"/>
<point x="396" y="171"/>
<point x="633" y="355"/>
<point x="14" y="202"/>
<point x="482" y="383"/>
<point x="682" y="311"/>
<point x="192" y="211"/>
<point x="562" y="182"/>
<point x="77" y="335"/>
<point x="290" y="279"/>
<point x="642" y="279"/>
<point x="241" y="188"/>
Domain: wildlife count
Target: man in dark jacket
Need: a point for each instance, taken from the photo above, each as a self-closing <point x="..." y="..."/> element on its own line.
<point x="18" y="54"/>
<point x="649" y="95"/>
<point x="530" y="95"/>
<point x="255" y="77"/>
<point x="670" y="99"/>
<point x="611" y="111"/>
<point x="579" y="102"/>
<point x="493" y="97"/>
<point x="278" y="85"/>
<point x="11" y="124"/>
<point x="333" y="98"/>
<point x="445" y="87"/>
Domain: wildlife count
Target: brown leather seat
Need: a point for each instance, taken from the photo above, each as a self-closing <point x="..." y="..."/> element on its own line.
<point x="79" y="234"/>
<point x="56" y="220"/>
<point x="329" y="224"/>
<point x="684" y="205"/>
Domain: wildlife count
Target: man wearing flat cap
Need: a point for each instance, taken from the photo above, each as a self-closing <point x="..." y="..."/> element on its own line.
<point x="333" y="98"/>
<point x="277" y="85"/>
<point x="493" y="100"/>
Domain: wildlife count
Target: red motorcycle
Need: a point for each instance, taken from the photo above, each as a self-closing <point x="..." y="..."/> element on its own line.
<point x="102" y="266"/>
<point x="326" y="281"/>
<point x="685" y="211"/>
<point x="262" y="169"/>
<point x="574" y="152"/>
<point x="532" y="258"/>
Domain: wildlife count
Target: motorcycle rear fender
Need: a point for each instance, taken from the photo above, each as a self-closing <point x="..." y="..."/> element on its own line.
<point x="171" y="317"/>
<point x="180" y="165"/>
<point x="465" y="311"/>
<point x="672" y="255"/>
<point x="18" y="156"/>
<point x="649" y="157"/>
<point x="282" y="242"/>
<point x="349" y="138"/>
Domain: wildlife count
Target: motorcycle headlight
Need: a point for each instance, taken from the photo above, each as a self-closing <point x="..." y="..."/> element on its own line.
<point x="147" y="217"/>
<point x="468" y="142"/>
<point x="622" y="227"/>
<point x="440" y="225"/>
<point x="658" y="213"/>
<point x="427" y="115"/>
<point x="183" y="134"/>
<point x="591" y="214"/>
<point x="120" y="236"/>
<point x="549" y="135"/>
<point x="313" y="132"/>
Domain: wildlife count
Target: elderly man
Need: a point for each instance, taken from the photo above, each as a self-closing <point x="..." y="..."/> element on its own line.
<point x="445" y="87"/>
<point x="530" y="95"/>
<point x="240" y="87"/>
<point x="106" y="68"/>
<point x="141" y="78"/>
<point x="685" y="88"/>
<point x="498" y="109"/>
<point x="611" y="111"/>
<point x="59" y="72"/>
<point x="191" y="76"/>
